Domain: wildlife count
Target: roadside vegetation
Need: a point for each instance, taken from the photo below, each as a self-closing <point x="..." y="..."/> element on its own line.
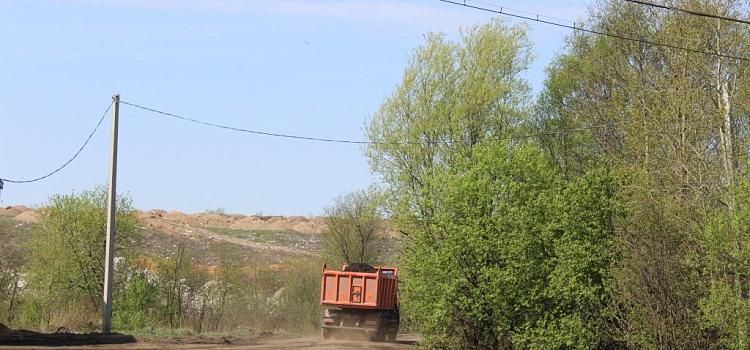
<point x="612" y="213"/>
<point x="56" y="279"/>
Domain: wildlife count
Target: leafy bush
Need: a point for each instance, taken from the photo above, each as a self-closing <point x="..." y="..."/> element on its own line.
<point x="132" y="308"/>
<point x="298" y="305"/>
<point x="511" y="258"/>
<point x="65" y="257"/>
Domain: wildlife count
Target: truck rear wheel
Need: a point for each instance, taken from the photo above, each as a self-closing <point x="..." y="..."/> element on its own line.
<point x="380" y="336"/>
<point x="392" y="335"/>
<point x="376" y="335"/>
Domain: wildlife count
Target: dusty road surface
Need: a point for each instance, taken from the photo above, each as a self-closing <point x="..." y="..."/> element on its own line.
<point x="403" y="342"/>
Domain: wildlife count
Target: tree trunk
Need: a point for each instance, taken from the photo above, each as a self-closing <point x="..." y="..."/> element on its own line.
<point x="12" y="299"/>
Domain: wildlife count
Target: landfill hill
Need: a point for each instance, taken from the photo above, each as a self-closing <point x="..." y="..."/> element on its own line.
<point x="272" y="239"/>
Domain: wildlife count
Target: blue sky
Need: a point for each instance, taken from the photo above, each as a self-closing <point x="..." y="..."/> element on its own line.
<point x="312" y="68"/>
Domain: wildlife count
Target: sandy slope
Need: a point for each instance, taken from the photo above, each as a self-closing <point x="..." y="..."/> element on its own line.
<point x="177" y="222"/>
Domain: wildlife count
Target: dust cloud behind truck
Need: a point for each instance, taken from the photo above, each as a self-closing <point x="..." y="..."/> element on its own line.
<point x="360" y="299"/>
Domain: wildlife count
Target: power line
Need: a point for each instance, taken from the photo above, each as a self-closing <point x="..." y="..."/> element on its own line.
<point x="287" y="136"/>
<point x="316" y="139"/>
<point x="307" y="138"/>
<point x="695" y="13"/>
<point x="504" y="8"/>
<point x="540" y="19"/>
<point x="69" y="160"/>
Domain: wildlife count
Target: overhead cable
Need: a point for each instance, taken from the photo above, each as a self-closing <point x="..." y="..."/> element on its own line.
<point x="317" y="139"/>
<point x="69" y="160"/>
<point x="541" y="19"/>
<point x="241" y="129"/>
<point x="306" y="138"/>
<point x="691" y="12"/>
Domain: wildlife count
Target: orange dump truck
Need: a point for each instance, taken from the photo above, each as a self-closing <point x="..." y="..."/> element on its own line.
<point x="360" y="299"/>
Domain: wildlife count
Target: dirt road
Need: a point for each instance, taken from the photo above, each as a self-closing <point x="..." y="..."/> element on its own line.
<point x="403" y="342"/>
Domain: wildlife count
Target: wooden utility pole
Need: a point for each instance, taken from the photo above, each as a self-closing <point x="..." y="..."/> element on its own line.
<point x="111" y="209"/>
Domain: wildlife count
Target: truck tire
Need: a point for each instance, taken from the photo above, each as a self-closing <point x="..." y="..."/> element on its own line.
<point x="380" y="335"/>
<point x="392" y="335"/>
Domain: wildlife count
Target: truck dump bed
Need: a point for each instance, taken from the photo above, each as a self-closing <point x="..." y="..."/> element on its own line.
<point x="364" y="290"/>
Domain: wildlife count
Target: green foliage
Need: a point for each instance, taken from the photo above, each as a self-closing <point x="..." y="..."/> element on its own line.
<point x="65" y="259"/>
<point x="655" y="290"/>
<point x="501" y="250"/>
<point x="131" y="307"/>
<point x="630" y="230"/>
<point x="453" y="96"/>
<point x="471" y="273"/>
<point x="725" y="266"/>
<point x="676" y="122"/>
<point x="667" y="110"/>
<point x="506" y="262"/>
<point x="227" y="289"/>
<point x="159" y="296"/>
<point x="581" y="263"/>
<point x="354" y="229"/>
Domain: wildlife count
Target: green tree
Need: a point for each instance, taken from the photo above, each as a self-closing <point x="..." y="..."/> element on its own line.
<point x="472" y="271"/>
<point x="574" y="309"/>
<point x="724" y="266"/>
<point x="512" y="258"/>
<point x="354" y="229"/>
<point x="500" y="251"/>
<point x="453" y="96"/>
<point x="676" y="121"/>
<point x="65" y="259"/>
<point x="675" y="114"/>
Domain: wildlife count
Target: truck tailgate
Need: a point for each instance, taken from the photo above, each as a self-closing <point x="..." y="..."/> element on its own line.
<point x="375" y="290"/>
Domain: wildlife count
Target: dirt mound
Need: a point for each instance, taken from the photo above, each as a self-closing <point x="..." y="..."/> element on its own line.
<point x="280" y="223"/>
<point x="217" y="220"/>
<point x="360" y="267"/>
<point x="305" y="225"/>
<point x="28" y="217"/>
<point x="180" y="218"/>
<point x="14" y="211"/>
<point x="160" y="218"/>
<point x="151" y="214"/>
